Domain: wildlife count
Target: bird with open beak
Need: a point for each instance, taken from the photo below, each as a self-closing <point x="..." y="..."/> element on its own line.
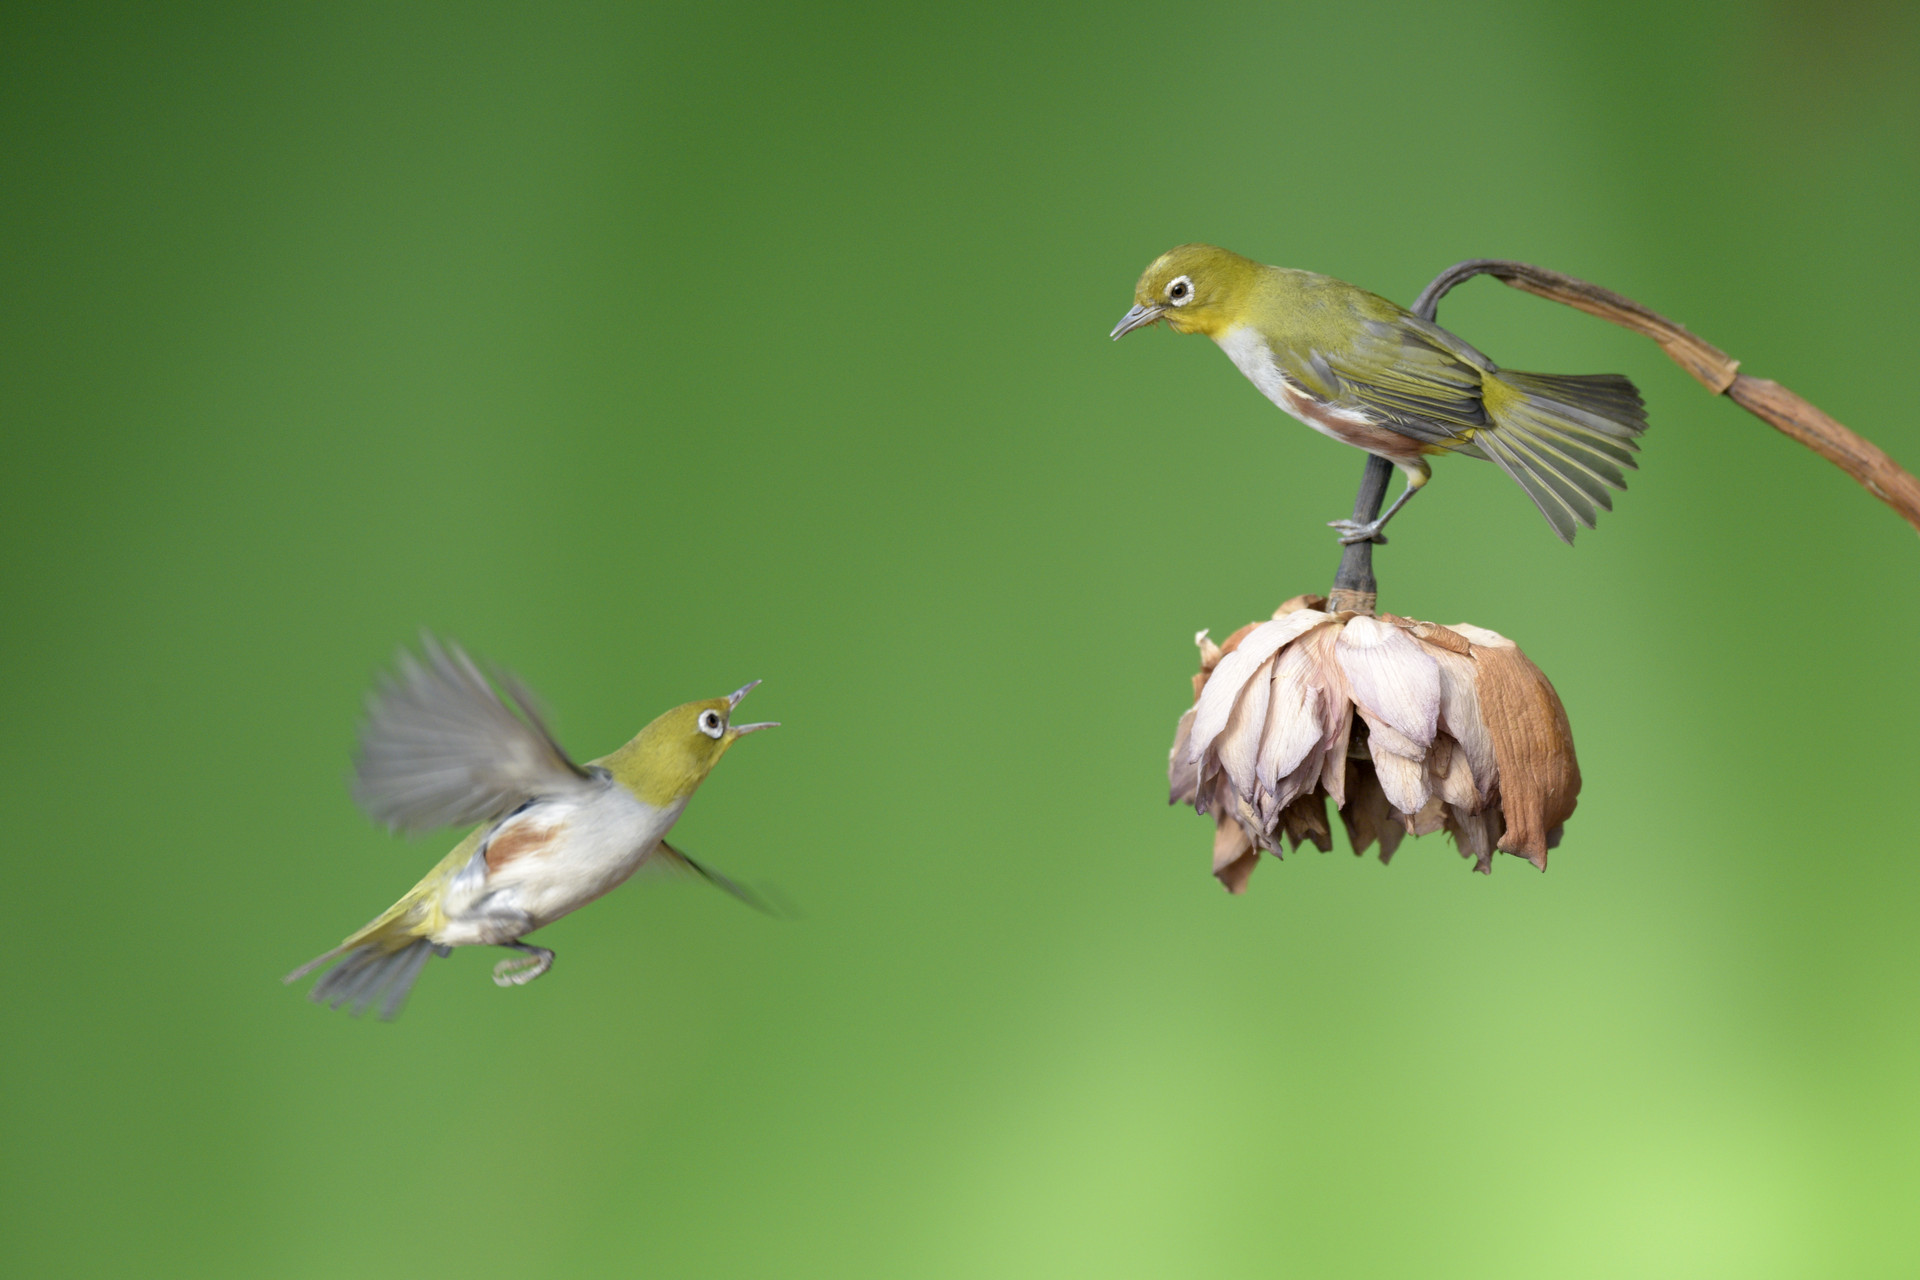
<point x="442" y="748"/>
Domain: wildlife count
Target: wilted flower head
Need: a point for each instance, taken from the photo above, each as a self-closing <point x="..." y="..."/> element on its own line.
<point x="1455" y="729"/>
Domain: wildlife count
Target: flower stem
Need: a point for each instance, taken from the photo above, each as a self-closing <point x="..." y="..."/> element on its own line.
<point x="1354" y="589"/>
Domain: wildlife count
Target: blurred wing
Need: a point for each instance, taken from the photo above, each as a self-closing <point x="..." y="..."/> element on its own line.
<point x="668" y="858"/>
<point x="1412" y="376"/>
<point x="440" y="748"/>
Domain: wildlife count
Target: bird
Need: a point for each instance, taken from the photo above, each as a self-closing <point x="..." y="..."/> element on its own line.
<point x="441" y="747"/>
<point x="1366" y="371"/>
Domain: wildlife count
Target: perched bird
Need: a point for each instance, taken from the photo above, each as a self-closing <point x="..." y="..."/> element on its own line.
<point x="442" y="748"/>
<point x="1371" y="374"/>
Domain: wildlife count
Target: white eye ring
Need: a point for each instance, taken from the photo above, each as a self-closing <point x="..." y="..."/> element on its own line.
<point x="1180" y="291"/>
<point x="711" y="724"/>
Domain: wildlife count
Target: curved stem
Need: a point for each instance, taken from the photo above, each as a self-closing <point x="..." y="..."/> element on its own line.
<point x="1715" y="369"/>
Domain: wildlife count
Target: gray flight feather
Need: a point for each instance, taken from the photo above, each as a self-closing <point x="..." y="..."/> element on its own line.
<point x="441" y="748"/>
<point x="368" y="973"/>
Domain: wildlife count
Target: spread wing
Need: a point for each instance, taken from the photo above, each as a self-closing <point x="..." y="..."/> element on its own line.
<point x="441" y="748"/>
<point x="1360" y="351"/>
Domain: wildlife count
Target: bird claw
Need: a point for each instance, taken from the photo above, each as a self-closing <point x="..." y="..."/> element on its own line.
<point x="1352" y="531"/>
<point x="521" y="970"/>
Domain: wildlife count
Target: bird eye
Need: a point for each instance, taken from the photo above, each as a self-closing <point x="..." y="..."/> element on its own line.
<point x="1180" y="291"/>
<point x="710" y="723"/>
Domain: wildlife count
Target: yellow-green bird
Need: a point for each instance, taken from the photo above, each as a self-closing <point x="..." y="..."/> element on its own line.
<point x="1354" y="366"/>
<point x="442" y="748"/>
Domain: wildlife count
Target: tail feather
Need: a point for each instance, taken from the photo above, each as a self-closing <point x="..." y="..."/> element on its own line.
<point x="1610" y="400"/>
<point x="1564" y="439"/>
<point x="371" y="971"/>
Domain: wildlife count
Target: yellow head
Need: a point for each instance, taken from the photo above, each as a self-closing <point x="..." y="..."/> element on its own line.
<point x="1195" y="288"/>
<point x="672" y="756"/>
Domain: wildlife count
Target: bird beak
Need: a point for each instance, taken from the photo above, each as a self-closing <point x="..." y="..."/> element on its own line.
<point x="1134" y="319"/>
<point x="741" y="730"/>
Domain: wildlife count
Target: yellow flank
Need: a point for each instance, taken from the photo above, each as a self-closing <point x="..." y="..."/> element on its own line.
<point x="418" y="914"/>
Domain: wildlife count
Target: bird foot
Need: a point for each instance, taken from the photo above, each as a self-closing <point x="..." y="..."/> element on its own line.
<point x="521" y="970"/>
<point x="1352" y="531"/>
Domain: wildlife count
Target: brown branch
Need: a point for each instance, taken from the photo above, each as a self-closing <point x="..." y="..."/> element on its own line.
<point x="1719" y="372"/>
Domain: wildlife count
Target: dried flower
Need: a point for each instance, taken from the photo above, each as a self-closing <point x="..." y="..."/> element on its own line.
<point x="1456" y="730"/>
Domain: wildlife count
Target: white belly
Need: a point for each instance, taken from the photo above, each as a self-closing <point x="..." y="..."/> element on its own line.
<point x="1252" y="356"/>
<point x="562" y="854"/>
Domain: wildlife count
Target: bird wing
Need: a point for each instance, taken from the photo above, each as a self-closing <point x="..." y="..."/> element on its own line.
<point x="442" y="748"/>
<point x="1410" y="375"/>
<point x="668" y="858"/>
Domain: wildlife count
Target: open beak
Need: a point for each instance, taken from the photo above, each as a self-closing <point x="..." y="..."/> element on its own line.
<point x="733" y="700"/>
<point x="1134" y="319"/>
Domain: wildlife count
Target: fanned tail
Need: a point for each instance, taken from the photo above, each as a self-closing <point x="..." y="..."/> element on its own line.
<point x="1564" y="438"/>
<point x="382" y="969"/>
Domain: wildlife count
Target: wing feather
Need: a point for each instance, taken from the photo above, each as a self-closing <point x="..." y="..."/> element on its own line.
<point x="441" y="747"/>
<point x="1410" y="376"/>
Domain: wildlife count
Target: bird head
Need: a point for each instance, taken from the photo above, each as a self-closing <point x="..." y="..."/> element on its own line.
<point x="1195" y="288"/>
<point x="672" y="756"/>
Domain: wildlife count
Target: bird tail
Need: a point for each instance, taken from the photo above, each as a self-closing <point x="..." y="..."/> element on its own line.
<point x="378" y="968"/>
<point x="1564" y="438"/>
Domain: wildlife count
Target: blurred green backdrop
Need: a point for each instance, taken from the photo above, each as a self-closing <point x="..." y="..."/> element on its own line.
<point x="647" y="350"/>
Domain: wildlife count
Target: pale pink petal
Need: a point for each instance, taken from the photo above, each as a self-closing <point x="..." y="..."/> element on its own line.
<point x="1404" y="781"/>
<point x="1336" y="712"/>
<point x="1394" y="679"/>
<point x="1452" y="777"/>
<point x="1460" y="717"/>
<point x="1293" y="717"/>
<point x="1482" y="636"/>
<point x="1238" y="745"/>
<point x="1230" y="677"/>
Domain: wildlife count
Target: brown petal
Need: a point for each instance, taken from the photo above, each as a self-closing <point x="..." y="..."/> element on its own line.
<point x="1431" y="818"/>
<point x="1301" y="602"/>
<point x="1234" y="856"/>
<point x="1209" y="651"/>
<point x="1306" y="819"/>
<point x="1432" y="633"/>
<point x="1183" y="775"/>
<point x="1475" y="834"/>
<point x="1367" y="815"/>
<point x="1539" y="776"/>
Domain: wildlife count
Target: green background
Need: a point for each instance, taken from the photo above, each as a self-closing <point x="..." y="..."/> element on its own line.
<point x="650" y="350"/>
